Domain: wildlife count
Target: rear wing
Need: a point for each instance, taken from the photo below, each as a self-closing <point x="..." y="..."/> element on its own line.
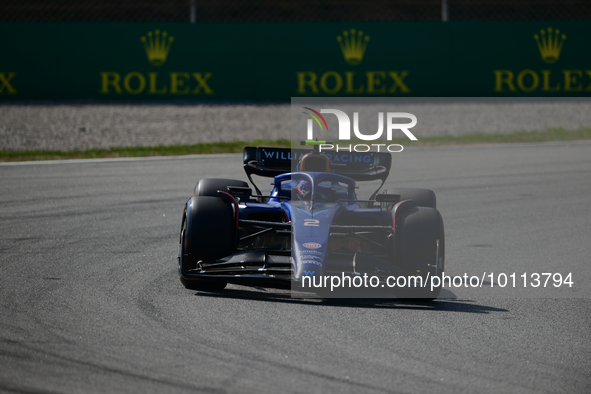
<point x="360" y="166"/>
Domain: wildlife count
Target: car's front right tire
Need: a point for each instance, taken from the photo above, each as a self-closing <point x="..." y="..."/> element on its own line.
<point x="207" y="234"/>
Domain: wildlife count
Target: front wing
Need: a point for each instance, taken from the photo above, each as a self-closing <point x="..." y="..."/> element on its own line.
<point x="277" y="267"/>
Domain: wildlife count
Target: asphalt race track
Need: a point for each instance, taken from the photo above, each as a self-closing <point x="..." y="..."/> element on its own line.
<point x="90" y="301"/>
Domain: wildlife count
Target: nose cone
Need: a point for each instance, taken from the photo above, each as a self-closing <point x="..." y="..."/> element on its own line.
<point x="311" y="229"/>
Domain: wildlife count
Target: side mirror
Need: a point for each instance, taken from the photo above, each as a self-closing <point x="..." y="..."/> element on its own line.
<point x="243" y="193"/>
<point x="391" y="198"/>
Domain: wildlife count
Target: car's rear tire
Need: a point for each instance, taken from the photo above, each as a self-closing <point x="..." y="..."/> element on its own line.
<point x="419" y="197"/>
<point x="420" y="249"/>
<point x="207" y="234"/>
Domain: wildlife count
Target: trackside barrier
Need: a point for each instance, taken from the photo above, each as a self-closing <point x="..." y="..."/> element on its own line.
<point x="276" y="61"/>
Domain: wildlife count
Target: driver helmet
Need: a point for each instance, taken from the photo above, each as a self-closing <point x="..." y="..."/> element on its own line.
<point x="304" y="190"/>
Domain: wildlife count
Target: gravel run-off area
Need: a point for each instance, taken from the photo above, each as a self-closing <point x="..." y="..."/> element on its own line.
<point x="80" y="126"/>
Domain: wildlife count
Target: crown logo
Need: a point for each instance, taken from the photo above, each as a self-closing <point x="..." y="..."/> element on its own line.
<point x="157" y="46"/>
<point x="353" y="46"/>
<point x="550" y="44"/>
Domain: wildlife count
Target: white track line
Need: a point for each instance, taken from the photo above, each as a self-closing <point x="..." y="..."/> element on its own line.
<point x="115" y="159"/>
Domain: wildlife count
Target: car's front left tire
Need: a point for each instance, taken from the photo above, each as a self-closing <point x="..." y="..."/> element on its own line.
<point x="420" y="250"/>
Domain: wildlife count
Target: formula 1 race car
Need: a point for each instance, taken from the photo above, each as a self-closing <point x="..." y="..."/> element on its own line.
<point x="311" y="224"/>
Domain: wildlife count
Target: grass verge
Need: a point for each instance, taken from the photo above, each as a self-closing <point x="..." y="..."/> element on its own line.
<point x="237" y="146"/>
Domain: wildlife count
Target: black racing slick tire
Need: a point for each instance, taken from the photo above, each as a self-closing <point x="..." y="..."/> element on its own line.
<point x="210" y="186"/>
<point x="420" y="250"/>
<point x="207" y="234"/>
<point x="419" y="197"/>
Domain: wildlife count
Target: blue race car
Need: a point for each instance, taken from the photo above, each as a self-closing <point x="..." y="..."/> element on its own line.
<point x="311" y="224"/>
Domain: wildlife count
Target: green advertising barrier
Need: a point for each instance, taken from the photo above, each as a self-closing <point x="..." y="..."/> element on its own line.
<point x="276" y="61"/>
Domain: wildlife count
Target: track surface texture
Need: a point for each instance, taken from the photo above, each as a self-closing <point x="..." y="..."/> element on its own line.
<point x="90" y="300"/>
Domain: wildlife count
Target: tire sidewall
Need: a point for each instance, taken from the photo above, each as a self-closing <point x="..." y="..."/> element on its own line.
<point x="420" y="247"/>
